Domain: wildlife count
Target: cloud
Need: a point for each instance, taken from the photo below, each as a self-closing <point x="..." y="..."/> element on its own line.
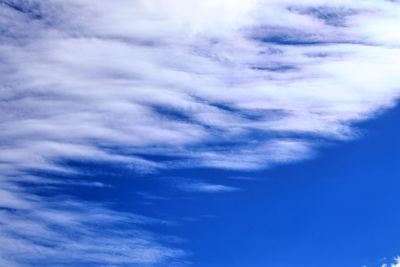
<point x="62" y="232"/>
<point x="396" y="264"/>
<point x="191" y="186"/>
<point x="168" y="82"/>
<point x="161" y="84"/>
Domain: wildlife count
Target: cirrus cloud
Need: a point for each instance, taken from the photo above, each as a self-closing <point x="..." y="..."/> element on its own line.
<point x="225" y="84"/>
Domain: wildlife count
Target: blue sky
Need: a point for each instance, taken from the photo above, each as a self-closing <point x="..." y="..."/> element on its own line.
<point x="199" y="133"/>
<point x="338" y="209"/>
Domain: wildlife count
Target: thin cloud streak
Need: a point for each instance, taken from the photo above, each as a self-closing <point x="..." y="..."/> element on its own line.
<point x="193" y="186"/>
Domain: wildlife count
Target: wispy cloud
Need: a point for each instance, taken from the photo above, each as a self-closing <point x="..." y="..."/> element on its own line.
<point x="219" y="83"/>
<point x="111" y="85"/>
<point x="202" y="187"/>
<point x="63" y="232"/>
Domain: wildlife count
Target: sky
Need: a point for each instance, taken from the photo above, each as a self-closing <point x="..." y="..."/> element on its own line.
<point x="248" y="133"/>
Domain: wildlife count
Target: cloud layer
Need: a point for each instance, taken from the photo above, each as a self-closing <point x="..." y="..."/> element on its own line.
<point x="161" y="84"/>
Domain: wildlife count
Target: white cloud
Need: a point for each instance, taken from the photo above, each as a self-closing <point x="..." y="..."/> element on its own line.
<point x="202" y="187"/>
<point x="396" y="264"/>
<point x="234" y="84"/>
<point x="63" y="232"/>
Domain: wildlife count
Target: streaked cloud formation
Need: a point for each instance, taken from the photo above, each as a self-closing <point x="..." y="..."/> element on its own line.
<point x="233" y="84"/>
